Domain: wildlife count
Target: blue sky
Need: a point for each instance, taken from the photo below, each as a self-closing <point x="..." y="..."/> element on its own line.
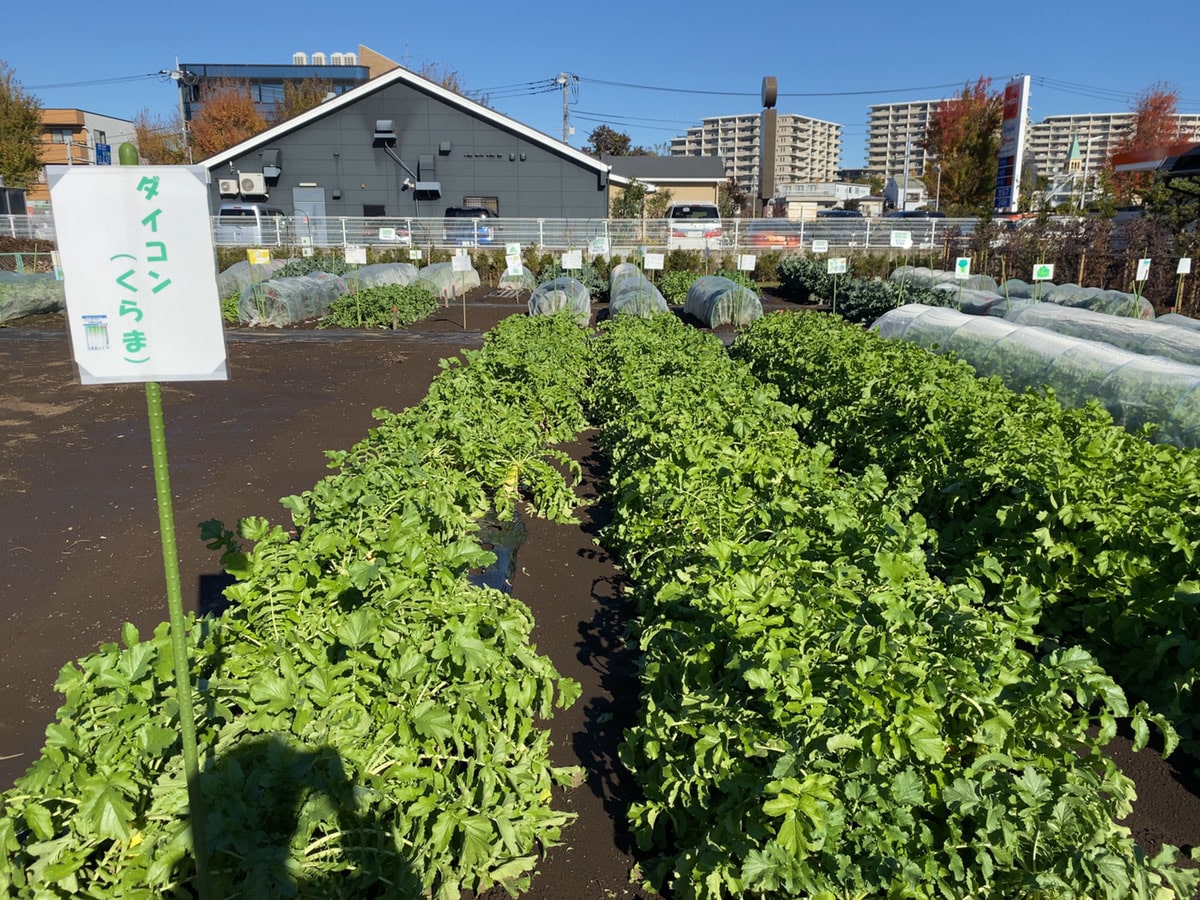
<point x="648" y="69"/>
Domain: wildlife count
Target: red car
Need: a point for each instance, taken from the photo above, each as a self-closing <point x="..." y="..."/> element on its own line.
<point x="775" y="234"/>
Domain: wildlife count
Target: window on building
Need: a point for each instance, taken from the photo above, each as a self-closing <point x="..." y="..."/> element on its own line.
<point x="492" y="203"/>
<point x="61" y="135"/>
<point x="101" y="137"/>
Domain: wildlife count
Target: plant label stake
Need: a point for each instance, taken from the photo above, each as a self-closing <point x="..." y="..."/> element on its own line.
<point x="835" y="266"/>
<point x="1183" y="268"/>
<point x="158" y="318"/>
<point x="462" y="264"/>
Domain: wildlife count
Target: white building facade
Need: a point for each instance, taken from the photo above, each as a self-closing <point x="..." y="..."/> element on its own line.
<point x="806" y="150"/>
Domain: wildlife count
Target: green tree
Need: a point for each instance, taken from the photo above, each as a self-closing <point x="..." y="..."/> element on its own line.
<point x="606" y="140"/>
<point x="20" y="132"/>
<point x="963" y="135"/>
<point x="631" y="202"/>
<point x="657" y="203"/>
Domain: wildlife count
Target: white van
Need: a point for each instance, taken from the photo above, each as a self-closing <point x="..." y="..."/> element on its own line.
<point x="250" y="224"/>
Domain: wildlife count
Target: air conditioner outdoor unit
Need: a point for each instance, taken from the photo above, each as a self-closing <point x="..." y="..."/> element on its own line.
<point x="252" y="182"/>
<point x="227" y="187"/>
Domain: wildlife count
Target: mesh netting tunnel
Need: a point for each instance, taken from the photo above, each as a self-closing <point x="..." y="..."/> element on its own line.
<point x="242" y="274"/>
<point x="1136" y="390"/>
<point x="631" y="293"/>
<point x="561" y="294"/>
<point x="445" y="283"/>
<point x="380" y="274"/>
<point x="716" y="300"/>
<point x="29" y="295"/>
<point x="286" y="301"/>
<point x="1148" y="338"/>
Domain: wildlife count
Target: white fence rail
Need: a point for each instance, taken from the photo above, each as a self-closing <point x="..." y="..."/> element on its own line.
<point x="595" y="235"/>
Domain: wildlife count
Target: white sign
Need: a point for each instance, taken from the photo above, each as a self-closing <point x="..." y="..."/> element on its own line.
<point x="460" y="263"/>
<point x="1014" y="114"/>
<point x="387" y="233"/>
<point x="747" y="262"/>
<point x="653" y="261"/>
<point x="512" y="249"/>
<point x="1043" y="272"/>
<point x="513" y="262"/>
<point x="1143" y="270"/>
<point x="820" y="246"/>
<point x="141" y="289"/>
<point x="463" y="251"/>
<point x="416" y="254"/>
<point x="572" y="259"/>
<point x="599" y="246"/>
<point x="515" y="269"/>
<point x="1184" y="267"/>
<point x="962" y="268"/>
<point x="901" y="240"/>
<point x="835" y="265"/>
<point x="356" y="255"/>
<point x="306" y="251"/>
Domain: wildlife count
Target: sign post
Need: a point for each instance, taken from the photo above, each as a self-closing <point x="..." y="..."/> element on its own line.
<point x="142" y="305"/>
<point x="1184" y="267"/>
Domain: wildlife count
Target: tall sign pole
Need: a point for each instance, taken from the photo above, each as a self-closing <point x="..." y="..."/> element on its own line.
<point x="1012" y="145"/>
<point x="142" y="306"/>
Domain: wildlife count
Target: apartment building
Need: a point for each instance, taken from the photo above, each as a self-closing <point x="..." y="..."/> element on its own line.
<point x="1094" y="135"/>
<point x="76" y="137"/>
<point x="894" y="132"/>
<point x="806" y="149"/>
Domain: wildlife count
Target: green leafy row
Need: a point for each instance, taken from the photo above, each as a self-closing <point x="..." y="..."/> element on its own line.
<point x="381" y="306"/>
<point x="806" y="279"/>
<point x="821" y="715"/>
<point x="367" y="716"/>
<point x="1098" y="524"/>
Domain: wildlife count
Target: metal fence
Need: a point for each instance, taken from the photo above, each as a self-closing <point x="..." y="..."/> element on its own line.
<point x="594" y="235"/>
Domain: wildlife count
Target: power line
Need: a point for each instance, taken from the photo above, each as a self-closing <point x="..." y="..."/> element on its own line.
<point x="91" y="82"/>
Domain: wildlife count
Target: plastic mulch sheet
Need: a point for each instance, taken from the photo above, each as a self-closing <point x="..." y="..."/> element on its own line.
<point x="562" y="294"/>
<point x="630" y="293"/>
<point x="286" y="301"/>
<point x="29" y="295"/>
<point x="716" y="300"/>
<point x="1135" y="389"/>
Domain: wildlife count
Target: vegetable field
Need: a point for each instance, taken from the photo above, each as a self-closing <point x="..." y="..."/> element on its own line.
<point x="869" y="597"/>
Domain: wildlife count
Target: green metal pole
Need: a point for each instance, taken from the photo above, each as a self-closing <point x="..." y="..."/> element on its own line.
<point x="183" y="687"/>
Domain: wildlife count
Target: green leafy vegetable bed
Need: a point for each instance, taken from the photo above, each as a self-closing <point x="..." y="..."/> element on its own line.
<point x="822" y="715"/>
<point x="368" y="718"/>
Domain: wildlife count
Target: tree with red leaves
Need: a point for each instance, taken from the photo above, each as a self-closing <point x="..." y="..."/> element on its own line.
<point x="228" y="117"/>
<point x="963" y="137"/>
<point x="1155" y="124"/>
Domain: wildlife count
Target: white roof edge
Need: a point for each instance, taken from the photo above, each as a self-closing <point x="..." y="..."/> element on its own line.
<point x="379" y="83"/>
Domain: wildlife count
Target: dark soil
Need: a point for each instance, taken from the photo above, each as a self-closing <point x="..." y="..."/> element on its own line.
<point x="81" y="551"/>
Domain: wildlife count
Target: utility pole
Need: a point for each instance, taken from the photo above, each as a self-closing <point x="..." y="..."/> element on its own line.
<point x="182" y="80"/>
<point x="565" y="81"/>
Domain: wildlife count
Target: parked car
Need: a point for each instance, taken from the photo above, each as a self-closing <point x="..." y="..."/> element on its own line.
<point x="250" y="224"/>
<point x="839" y="214"/>
<point x="772" y="233"/>
<point x="694" y="226"/>
<point x="915" y="214"/>
<point x="468" y="225"/>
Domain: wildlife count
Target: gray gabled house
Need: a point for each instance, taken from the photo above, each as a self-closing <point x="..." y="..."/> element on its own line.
<point x="401" y="145"/>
